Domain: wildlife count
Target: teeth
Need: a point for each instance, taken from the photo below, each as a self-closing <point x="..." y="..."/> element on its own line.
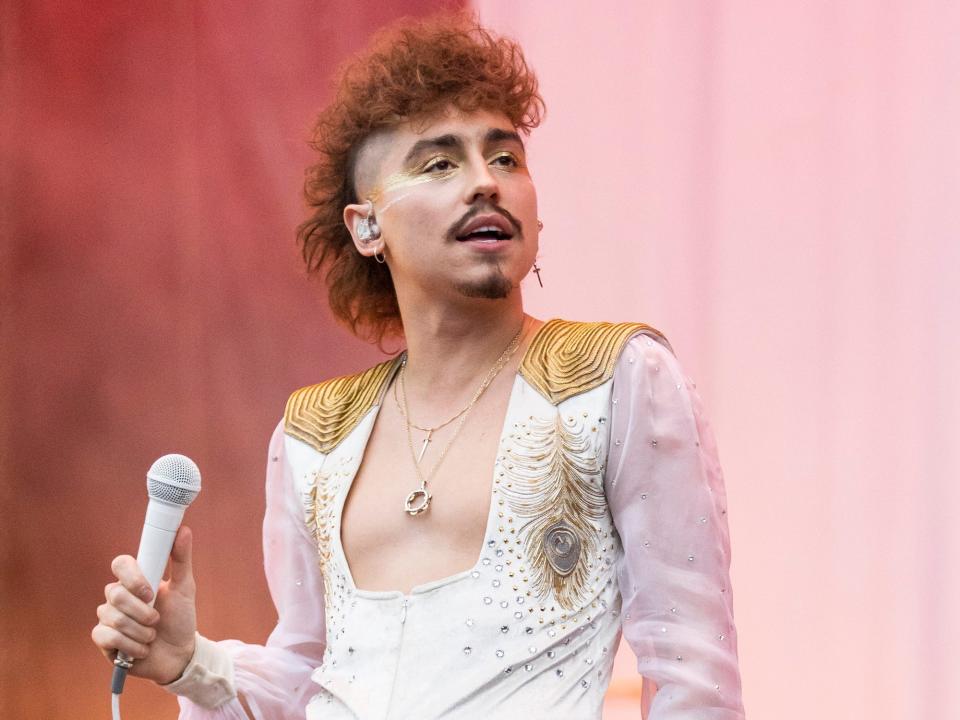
<point x="476" y="234"/>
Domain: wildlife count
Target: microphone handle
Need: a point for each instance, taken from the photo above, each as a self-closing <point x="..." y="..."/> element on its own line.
<point x="159" y="531"/>
<point x="155" y="546"/>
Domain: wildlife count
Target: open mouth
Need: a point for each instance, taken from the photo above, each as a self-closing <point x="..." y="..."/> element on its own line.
<point x="487" y="233"/>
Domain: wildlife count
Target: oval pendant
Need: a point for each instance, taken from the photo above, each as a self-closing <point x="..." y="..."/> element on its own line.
<point x="415" y="506"/>
<point x="562" y="547"/>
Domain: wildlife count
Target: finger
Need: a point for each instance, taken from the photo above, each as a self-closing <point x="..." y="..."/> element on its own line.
<point x="126" y="570"/>
<point x="108" y="639"/>
<point x="111" y="617"/>
<point x="126" y="602"/>
<point x="181" y="558"/>
<point x="108" y="653"/>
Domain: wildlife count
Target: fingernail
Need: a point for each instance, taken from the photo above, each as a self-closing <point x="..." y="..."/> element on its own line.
<point x="146" y="593"/>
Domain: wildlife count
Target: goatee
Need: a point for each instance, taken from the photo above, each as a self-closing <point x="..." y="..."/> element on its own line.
<point x="494" y="286"/>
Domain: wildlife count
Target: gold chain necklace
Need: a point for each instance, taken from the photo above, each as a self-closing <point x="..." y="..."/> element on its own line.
<point x="418" y="500"/>
<point x="428" y="430"/>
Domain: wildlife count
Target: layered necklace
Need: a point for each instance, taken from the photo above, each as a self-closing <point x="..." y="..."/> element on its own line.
<point x="418" y="500"/>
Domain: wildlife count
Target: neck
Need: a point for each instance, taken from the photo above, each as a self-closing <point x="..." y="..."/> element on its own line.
<point x="451" y="348"/>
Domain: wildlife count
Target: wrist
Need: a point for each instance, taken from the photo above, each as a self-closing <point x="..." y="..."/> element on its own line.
<point x="181" y="662"/>
<point x="207" y="678"/>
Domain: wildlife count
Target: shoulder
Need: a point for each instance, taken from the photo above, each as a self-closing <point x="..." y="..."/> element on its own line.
<point x="649" y="379"/>
<point x="568" y="357"/>
<point x="322" y="415"/>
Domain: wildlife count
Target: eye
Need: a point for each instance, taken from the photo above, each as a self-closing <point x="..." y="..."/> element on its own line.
<point x="440" y="164"/>
<point x="505" y="159"/>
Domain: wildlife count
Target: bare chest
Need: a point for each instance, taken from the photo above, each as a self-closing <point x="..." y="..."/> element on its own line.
<point x="388" y="549"/>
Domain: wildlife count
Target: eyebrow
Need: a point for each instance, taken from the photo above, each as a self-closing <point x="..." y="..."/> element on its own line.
<point x="498" y="135"/>
<point x="454" y="141"/>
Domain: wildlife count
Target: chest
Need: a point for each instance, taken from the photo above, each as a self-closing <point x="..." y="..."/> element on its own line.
<point x="525" y="477"/>
<point x="385" y="547"/>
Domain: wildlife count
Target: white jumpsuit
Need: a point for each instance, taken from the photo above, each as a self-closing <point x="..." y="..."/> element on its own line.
<point x="607" y="515"/>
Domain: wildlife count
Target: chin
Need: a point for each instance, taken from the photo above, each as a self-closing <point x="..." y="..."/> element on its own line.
<point x="495" y="286"/>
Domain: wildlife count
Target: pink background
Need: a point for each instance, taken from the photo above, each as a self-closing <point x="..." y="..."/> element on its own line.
<point x="777" y="187"/>
<point x="773" y="185"/>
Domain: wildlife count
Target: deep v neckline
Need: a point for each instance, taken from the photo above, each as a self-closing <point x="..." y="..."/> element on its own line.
<point x="374" y="413"/>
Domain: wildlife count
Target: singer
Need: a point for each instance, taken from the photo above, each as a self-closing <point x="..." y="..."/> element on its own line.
<point x="465" y="530"/>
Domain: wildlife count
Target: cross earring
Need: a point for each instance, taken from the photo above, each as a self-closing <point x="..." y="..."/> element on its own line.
<point x="536" y="268"/>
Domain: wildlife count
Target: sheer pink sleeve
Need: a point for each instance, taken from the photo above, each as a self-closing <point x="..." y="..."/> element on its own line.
<point x="274" y="679"/>
<point x="665" y="490"/>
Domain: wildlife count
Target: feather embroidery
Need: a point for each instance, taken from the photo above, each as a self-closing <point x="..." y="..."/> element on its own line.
<point x="556" y="487"/>
<point x="319" y="517"/>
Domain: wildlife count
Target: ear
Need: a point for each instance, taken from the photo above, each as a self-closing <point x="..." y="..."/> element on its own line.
<point x="358" y="217"/>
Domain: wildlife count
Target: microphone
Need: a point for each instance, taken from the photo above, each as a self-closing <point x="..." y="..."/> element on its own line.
<point x="173" y="482"/>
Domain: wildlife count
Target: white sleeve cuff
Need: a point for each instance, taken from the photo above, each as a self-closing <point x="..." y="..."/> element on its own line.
<point x="207" y="680"/>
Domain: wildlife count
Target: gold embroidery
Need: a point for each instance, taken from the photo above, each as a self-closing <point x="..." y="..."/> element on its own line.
<point x="567" y="358"/>
<point x="319" y="519"/>
<point x="323" y="415"/>
<point x="556" y="486"/>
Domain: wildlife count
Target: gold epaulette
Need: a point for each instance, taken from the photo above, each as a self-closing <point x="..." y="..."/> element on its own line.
<point x="323" y="415"/>
<point x="567" y="358"/>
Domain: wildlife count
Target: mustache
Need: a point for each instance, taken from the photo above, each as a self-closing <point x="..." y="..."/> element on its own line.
<point x="458" y="226"/>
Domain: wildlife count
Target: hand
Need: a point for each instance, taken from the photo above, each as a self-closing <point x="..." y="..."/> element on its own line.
<point x="160" y="639"/>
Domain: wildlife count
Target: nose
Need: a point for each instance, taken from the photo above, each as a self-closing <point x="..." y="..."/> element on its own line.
<point x="483" y="184"/>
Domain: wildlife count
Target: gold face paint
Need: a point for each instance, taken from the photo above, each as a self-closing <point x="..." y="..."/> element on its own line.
<point x="407" y="179"/>
<point x="424" y="173"/>
<point x="395" y="200"/>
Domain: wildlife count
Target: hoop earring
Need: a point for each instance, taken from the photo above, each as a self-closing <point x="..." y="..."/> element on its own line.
<point x="539" y="224"/>
<point x="379" y="257"/>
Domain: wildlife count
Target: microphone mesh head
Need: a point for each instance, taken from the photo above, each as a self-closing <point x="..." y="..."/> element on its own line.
<point x="174" y="479"/>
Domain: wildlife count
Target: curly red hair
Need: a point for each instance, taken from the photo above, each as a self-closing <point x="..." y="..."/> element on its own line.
<point x="413" y="69"/>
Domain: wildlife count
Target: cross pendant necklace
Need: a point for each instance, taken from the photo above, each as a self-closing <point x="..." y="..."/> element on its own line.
<point x="423" y="449"/>
<point x="418" y="501"/>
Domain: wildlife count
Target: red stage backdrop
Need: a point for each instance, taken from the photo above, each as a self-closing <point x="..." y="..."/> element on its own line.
<point x="153" y="301"/>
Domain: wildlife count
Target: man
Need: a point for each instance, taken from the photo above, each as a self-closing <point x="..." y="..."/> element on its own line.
<point x="462" y="531"/>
